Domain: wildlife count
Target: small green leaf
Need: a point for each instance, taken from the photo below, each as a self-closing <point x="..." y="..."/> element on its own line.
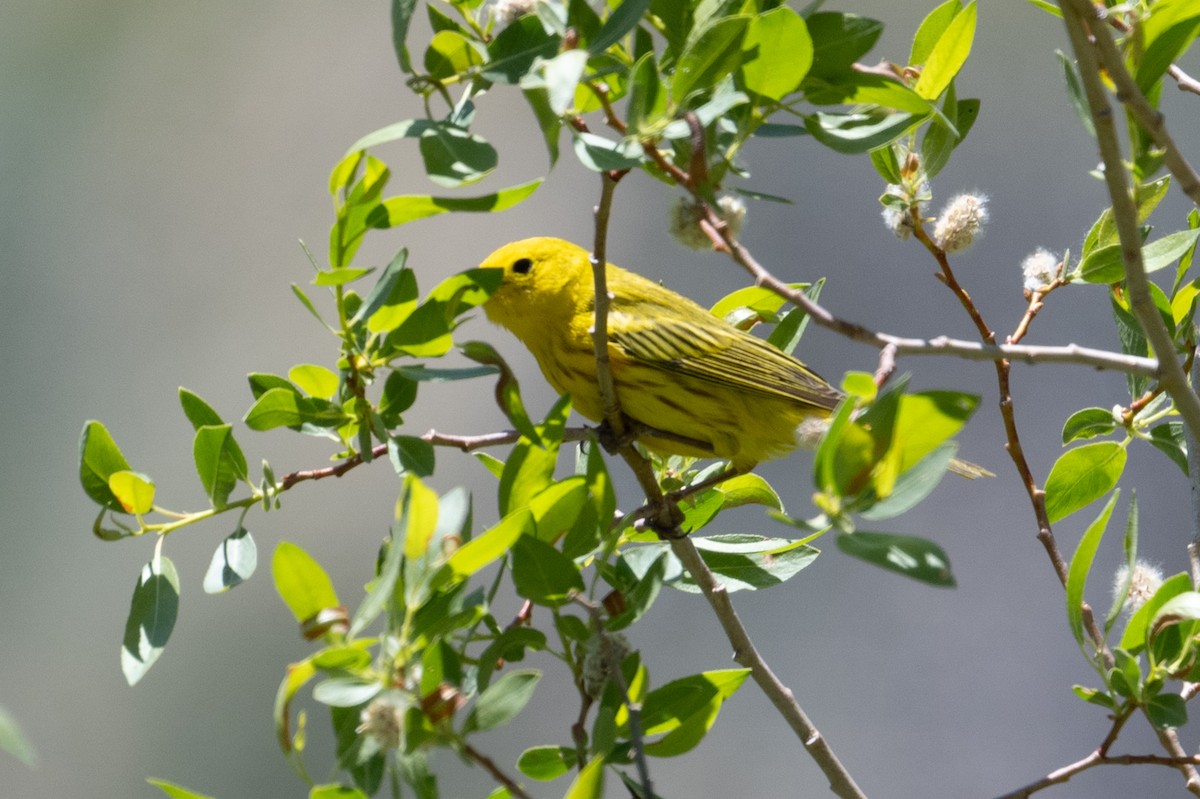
<point x="484" y="549"/>
<point x="542" y="574"/>
<point x="1106" y="265"/>
<point x="454" y="157"/>
<point x="1081" y="565"/>
<point x="450" y="54"/>
<point x="839" y="40"/>
<point x="1088" y="423"/>
<point x="913" y="557"/>
<point x="859" y="132"/>
<point x="301" y="582"/>
<point x="152" y="614"/>
<point x="1166" y="711"/>
<point x="134" y="490"/>
<point x="947" y="57"/>
<point x="709" y="57"/>
<point x="517" y="48"/>
<point x="197" y="411"/>
<point x="778" y="51"/>
<point x="503" y="700"/>
<point x="545" y="763"/>
<point x="219" y="462"/>
<point x="99" y="457"/>
<point x="286" y="407"/>
<point x="1081" y="476"/>
<point x="1169" y="439"/>
<point x="623" y="18"/>
<point x="403" y="209"/>
<point x="685" y="709"/>
<point x="1137" y="629"/>
<point x="601" y="155"/>
<point x="315" y="380"/>
<point x="232" y="564"/>
<point x="411" y="455"/>
<point x="743" y="562"/>
<point x="589" y="783"/>
<point x="175" y="791"/>
<point x="931" y="30"/>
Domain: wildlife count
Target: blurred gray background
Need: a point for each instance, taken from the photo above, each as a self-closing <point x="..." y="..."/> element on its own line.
<point x="160" y="161"/>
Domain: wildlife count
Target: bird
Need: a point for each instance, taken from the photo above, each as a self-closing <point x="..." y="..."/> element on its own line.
<point x="697" y="385"/>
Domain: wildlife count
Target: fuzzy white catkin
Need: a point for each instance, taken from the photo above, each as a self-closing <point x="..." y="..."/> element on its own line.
<point x="961" y="223"/>
<point x="1040" y="269"/>
<point x="509" y="11"/>
<point x="1144" y="581"/>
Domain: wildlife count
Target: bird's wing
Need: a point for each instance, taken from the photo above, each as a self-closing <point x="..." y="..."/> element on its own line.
<point x="721" y="354"/>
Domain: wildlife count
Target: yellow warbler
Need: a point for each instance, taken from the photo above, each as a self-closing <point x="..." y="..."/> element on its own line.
<point x="716" y="390"/>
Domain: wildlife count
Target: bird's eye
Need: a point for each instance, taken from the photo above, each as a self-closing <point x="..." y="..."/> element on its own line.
<point x="522" y="266"/>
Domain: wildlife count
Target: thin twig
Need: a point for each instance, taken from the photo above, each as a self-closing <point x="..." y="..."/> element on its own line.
<point x="1059" y="776"/>
<point x="745" y="653"/>
<point x="497" y="774"/>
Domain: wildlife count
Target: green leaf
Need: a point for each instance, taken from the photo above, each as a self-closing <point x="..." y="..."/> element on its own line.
<point x="1137" y="629"/>
<point x="926" y="419"/>
<point x="542" y="574"/>
<point x="334" y="277"/>
<point x="1081" y="565"/>
<point x="286" y="407"/>
<point x="743" y="562"/>
<point x="1167" y="34"/>
<point x="549" y="122"/>
<point x="556" y="507"/>
<point x="99" y="457"/>
<point x="647" y="103"/>
<point x="947" y="57"/>
<point x="516" y="48"/>
<point x="411" y="455"/>
<point x="1088" y="423"/>
<point x="684" y="710"/>
<point x="454" y="157"/>
<point x="403" y="209"/>
<point x="134" y="490"/>
<point x="450" y="54"/>
<point x="1169" y="439"/>
<point x="301" y="582"/>
<point x="314" y="380"/>
<point x="152" y="614"/>
<point x="623" y="18"/>
<point x="484" y="549"/>
<point x="1105" y="265"/>
<point x="14" y="741"/>
<point x="1166" y="711"/>
<point x="589" y="783"/>
<point x="1081" y="476"/>
<point x="931" y="30"/>
<point x="508" y="389"/>
<point x="396" y="291"/>
<point x="197" y="411"/>
<point x="779" y="53"/>
<point x="545" y="763"/>
<point x="401" y="17"/>
<point x="839" y="40"/>
<point x="644" y="591"/>
<point x="175" y="791"/>
<point x="913" y="484"/>
<point x="601" y="155"/>
<point x="709" y="57"/>
<point x="856" y="133"/>
<point x="502" y="700"/>
<point x="219" y="462"/>
<point x="232" y="564"/>
<point x="419" y="517"/>
<point x="913" y="557"/>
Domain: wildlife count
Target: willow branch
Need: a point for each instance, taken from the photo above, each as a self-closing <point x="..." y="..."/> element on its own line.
<point x="1128" y="94"/>
<point x="1171" y="374"/>
<point x="491" y="768"/>
<point x="745" y="653"/>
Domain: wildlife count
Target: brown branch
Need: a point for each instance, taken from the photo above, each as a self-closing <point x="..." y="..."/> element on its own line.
<point x="491" y="768"/>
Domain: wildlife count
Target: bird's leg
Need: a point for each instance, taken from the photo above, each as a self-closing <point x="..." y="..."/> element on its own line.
<point x="609" y="439"/>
